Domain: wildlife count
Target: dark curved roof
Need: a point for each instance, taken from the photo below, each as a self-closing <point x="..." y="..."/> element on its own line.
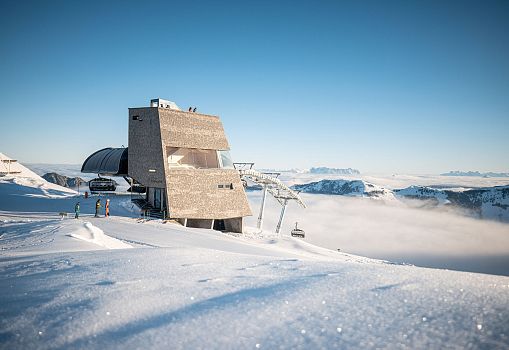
<point x="107" y="161"/>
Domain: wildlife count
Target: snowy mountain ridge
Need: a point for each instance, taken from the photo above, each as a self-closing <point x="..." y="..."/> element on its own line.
<point x="354" y="188"/>
<point x="339" y="171"/>
<point x="485" y="203"/>
<point x="316" y="170"/>
<point x="64" y="181"/>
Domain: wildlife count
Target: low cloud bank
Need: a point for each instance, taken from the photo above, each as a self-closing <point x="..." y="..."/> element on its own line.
<point x="396" y="232"/>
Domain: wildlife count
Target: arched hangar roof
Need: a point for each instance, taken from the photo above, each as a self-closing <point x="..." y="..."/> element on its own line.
<point x="107" y="161"/>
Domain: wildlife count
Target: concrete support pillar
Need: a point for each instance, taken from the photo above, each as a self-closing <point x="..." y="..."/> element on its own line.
<point x="234" y="225"/>
<point x="262" y="208"/>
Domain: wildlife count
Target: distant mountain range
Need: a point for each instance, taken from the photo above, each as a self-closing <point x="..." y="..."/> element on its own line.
<point x="317" y="170"/>
<point x="474" y="173"/>
<point x="485" y="203"/>
<point x="325" y="170"/>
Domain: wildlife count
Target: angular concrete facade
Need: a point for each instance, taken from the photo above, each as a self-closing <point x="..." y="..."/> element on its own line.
<point x="182" y="158"/>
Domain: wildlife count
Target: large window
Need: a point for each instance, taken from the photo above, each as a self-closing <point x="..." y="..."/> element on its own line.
<point x="192" y="158"/>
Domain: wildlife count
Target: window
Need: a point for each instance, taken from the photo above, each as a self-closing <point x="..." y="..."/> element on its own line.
<point x="228" y="186"/>
<point x="225" y="159"/>
<point x="192" y="158"/>
<point x="195" y="158"/>
<point x="136" y="117"/>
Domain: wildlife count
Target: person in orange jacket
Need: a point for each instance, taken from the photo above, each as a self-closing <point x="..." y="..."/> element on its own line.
<point x="107" y="208"/>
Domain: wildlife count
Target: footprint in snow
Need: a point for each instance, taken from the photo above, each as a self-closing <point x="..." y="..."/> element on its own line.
<point x="104" y="283"/>
<point x="217" y="279"/>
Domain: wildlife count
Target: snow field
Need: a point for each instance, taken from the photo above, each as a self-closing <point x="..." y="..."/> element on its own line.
<point x="193" y="288"/>
<point x="204" y="298"/>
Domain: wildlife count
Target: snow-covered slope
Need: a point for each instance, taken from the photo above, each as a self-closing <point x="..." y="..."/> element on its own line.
<point x="438" y="196"/>
<point x="182" y="288"/>
<point x="191" y="288"/>
<point x="28" y="183"/>
<point x="8" y="165"/>
<point x="92" y="234"/>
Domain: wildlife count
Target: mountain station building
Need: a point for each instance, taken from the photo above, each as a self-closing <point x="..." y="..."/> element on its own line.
<point x="183" y="161"/>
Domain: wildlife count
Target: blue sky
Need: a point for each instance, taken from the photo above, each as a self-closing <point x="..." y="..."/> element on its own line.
<point x="382" y="86"/>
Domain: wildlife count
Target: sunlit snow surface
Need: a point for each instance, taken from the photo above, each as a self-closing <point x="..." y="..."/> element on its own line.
<point x="191" y="288"/>
<point x="181" y="288"/>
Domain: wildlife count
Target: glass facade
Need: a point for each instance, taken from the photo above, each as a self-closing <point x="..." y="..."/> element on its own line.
<point x="194" y="158"/>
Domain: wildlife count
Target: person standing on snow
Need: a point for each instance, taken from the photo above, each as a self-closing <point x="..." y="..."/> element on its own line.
<point x="97" y="207"/>
<point x="77" y="210"/>
<point x="107" y="208"/>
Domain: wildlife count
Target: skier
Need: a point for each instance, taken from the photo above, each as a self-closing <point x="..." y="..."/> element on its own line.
<point x="190" y="109"/>
<point x="97" y="207"/>
<point x="107" y="208"/>
<point x="194" y="110"/>
<point x="77" y="210"/>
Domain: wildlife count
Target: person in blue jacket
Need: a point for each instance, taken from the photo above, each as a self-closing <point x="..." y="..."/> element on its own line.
<point x="77" y="210"/>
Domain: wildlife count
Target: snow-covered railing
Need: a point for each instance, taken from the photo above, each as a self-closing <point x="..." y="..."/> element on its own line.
<point x="275" y="186"/>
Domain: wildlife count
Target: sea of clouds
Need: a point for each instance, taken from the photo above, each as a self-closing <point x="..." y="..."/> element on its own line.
<point x="438" y="237"/>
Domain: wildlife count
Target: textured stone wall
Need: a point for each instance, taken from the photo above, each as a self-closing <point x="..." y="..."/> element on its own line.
<point x="194" y="193"/>
<point x="145" y="148"/>
<point x="192" y="130"/>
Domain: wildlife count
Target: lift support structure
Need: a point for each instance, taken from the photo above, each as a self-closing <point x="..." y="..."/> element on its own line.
<point x="272" y="185"/>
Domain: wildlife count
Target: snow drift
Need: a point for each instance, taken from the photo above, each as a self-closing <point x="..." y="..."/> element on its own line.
<point x="92" y="234"/>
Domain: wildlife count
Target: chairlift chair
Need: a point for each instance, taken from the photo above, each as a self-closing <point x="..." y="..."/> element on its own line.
<point x="297" y="232"/>
<point x="101" y="184"/>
